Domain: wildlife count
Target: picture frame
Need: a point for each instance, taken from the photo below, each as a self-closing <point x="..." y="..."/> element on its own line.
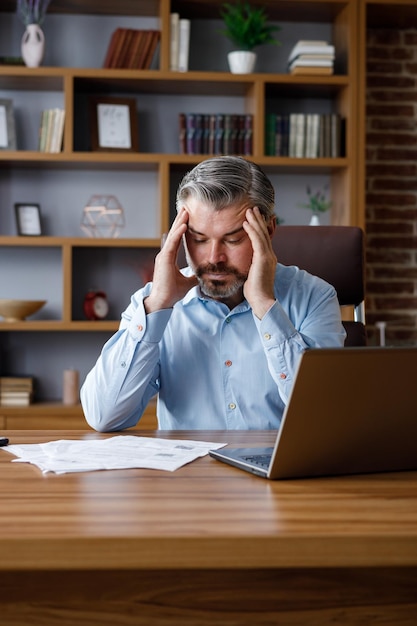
<point x="28" y="219"/>
<point x="113" y="124"/>
<point x="7" y="125"/>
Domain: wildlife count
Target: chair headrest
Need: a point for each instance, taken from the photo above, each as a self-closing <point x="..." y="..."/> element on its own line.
<point x="334" y="253"/>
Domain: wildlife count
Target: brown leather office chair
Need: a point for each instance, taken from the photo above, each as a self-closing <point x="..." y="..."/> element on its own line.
<point x="336" y="254"/>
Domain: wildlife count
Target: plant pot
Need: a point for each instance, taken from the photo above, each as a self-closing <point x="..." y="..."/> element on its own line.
<point x="315" y="220"/>
<point x="241" y="61"/>
<point x="33" y="45"/>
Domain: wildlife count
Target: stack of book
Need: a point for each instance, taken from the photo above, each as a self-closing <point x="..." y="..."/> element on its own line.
<point x="16" y="390"/>
<point x="51" y="130"/>
<point x="215" y="133"/>
<point x="311" y="57"/>
<point x="179" y="43"/>
<point x="132" y="49"/>
<point x="305" y="135"/>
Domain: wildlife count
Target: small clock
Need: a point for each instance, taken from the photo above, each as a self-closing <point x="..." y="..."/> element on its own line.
<point x="96" y="306"/>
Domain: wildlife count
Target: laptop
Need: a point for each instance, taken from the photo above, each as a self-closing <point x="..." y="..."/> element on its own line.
<point x="351" y="411"/>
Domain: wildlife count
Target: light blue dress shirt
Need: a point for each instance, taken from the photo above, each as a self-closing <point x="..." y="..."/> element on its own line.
<point x="212" y="368"/>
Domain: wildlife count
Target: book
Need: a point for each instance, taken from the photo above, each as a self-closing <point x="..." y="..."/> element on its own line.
<point x="182" y="133"/>
<point x="311" y="63"/>
<point x="51" y="130"/>
<point x="154" y="37"/>
<point x="128" y="39"/>
<point x="198" y="136"/>
<point x="314" y="57"/>
<point x="134" y="50"/>
<point x="219" y="134"/>
<point x="111" y="48"/>
<point x="312" y="135"/>
<point x="118" y="48"/>
<point x="303" y="69"/>
<point x="11" y="60"/>
<point x="16" y="383"/>
<point x="310" y="48"/>
<point x="248" y="127"/>
<point x="174" y="33"/>
<point x="58" y="131"/>
<point x="184" y="44"/>
<point x="190" y="119"/>
<point x="317" y="43"/>
<point x="270" y="134"/>
<point x="24" y="400"/>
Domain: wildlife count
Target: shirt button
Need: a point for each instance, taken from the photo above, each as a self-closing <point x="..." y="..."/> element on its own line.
<point x="228" y="363"/>
<point x="228" y="320"/>
<point x="123" y="364"/>
<point x="283" y="376"/>
<point x="140" y="327"/>
<point x="232" y="406"/>
<point x="267" y="336"/>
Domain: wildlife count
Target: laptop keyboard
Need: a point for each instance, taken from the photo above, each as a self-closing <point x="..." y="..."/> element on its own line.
<point x="262" y="460"/>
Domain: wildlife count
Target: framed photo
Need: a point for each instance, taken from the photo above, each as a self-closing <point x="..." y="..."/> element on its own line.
<point x="28" y="219"/>
<point x="114" y="124"/>
<point x="7" y="125"/>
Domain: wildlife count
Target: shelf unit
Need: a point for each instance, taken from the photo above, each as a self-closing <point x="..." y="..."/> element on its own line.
<point x="158" y="159"/>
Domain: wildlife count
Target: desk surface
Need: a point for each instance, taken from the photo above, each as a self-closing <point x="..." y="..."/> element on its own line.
<point x="205" y="514"/>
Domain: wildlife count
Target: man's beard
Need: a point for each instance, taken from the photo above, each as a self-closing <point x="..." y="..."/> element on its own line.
<point x="219" y="288"/>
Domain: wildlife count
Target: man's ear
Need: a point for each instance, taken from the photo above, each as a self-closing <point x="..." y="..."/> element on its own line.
<point x="271" y="225"/>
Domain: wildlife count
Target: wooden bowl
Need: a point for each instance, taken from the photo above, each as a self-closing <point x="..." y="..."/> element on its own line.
<point x="18" y="310"/>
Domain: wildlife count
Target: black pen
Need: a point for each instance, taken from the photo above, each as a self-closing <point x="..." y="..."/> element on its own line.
<point x="3" y="441"/>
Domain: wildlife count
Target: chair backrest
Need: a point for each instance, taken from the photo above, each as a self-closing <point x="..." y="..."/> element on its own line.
<point x="336" y="254"/>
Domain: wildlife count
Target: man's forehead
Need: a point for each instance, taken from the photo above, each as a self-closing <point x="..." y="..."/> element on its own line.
<point x="203" y="217"/>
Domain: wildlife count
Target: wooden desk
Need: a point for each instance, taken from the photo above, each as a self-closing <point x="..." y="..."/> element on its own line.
<point x="207" y="544"/>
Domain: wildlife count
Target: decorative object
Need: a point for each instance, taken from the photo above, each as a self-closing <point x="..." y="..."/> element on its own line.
<point x="103" y="216"/>
<point x="33" y="45"/>
<point x="71" y="387"/>
<point x="317" y="203"/>
<point x="95" y="305"/>
<point x="114" y="124"/>
<point x="7" y="125"/>
<point x="28" y="219"/>
<point x="247" y="28"/>
<point x="18" y="310"/>
<point x="242" y="61"/>
<point x="32" y="14"/>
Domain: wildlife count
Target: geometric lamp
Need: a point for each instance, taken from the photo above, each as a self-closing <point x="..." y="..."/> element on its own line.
<point x="103" y="216"/>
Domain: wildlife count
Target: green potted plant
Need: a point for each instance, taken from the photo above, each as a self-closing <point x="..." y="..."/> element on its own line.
<point x="247" y="28"/>
<point x="317" y="203"/>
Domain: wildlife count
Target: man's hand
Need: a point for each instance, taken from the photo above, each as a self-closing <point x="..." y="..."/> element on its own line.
<point x="169" y="285"/>
<point x="259" y="286"/>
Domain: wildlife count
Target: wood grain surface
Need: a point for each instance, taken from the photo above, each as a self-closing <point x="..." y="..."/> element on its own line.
<point x="207" y="542"/>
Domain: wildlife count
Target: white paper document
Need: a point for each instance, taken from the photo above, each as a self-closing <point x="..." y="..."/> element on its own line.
<point x="119" y="452"/>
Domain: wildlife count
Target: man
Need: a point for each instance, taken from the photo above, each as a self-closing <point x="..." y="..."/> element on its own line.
<point x="219" y="342"/>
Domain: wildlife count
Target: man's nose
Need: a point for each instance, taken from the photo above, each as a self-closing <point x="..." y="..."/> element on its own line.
<point x="217" y="252"/>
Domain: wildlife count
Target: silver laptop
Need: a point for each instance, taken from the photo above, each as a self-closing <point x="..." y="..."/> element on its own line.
<point x="351" y="411"/>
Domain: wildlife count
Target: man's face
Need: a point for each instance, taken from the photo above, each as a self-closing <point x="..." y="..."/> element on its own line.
<point x="218" y="249"/>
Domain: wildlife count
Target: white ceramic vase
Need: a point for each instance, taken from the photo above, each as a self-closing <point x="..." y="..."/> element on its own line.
<point x="33" y="45"/>
<point x="315" y="220"/>
<point x="241" y="61"/>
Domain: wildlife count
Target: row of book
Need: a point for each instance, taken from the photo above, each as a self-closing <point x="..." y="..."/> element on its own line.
<point x="51" y="130"/>
<point x="179" y="43"/>
<point x="215" y="133"/>
<point x="305" y="135"/>
<point x="16" y="390"/>
<point x="311" y="57"/>
<point x="130" y="48"/>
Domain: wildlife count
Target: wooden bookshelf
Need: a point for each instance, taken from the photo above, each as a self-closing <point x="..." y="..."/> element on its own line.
<point x="257" y="94"/>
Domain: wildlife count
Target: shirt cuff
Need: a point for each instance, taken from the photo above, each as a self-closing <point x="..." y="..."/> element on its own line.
<point x="275" y="327"/>
<point x="149" y="327"/>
